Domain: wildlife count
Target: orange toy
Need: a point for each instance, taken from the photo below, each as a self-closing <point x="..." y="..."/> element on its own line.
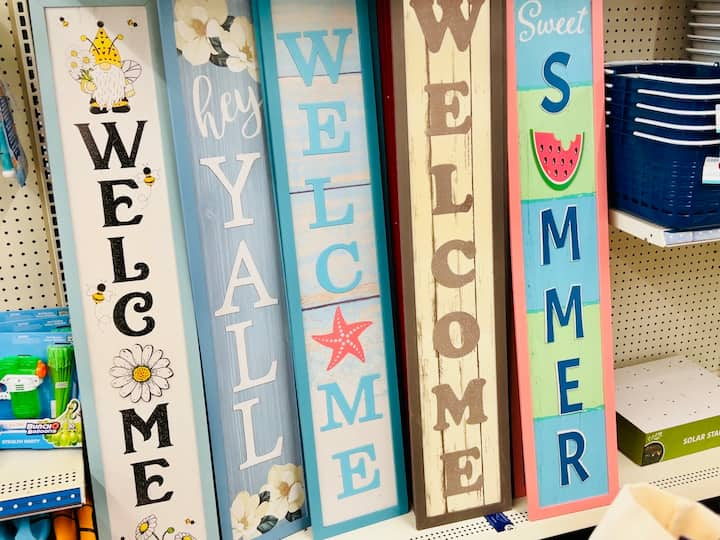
<point x="86" y="521"/>
<point x="64" y="525"/>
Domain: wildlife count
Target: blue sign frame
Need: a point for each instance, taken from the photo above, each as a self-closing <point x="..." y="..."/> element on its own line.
<point x="323" y="524"/>
<point x="212" y="245"/>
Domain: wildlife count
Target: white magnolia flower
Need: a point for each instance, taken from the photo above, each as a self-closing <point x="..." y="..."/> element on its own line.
<point x="239" y="44"/>
<point x="192" y="18"/>
<point x="146" y="528"/>
<point x="246" y="513"/>
<point x="141" y="372"/>
<point x="184" y="536"/>
<point x="287" y="493"/>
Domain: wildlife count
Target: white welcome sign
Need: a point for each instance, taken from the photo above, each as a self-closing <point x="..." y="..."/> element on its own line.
<point x="113" y="171"/>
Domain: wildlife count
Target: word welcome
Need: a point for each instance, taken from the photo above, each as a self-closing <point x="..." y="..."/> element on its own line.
<point x="445" y="101"/>
<point x="117" y="205"/>
<point x="327" y="136"/>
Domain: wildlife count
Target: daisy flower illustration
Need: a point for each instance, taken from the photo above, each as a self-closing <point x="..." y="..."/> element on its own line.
<point x="141" y="372"/>
<point x="146" y="528"/>
<point x="184" y="536"/>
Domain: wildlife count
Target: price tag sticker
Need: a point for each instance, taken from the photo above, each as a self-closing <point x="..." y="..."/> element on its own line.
<point x="711" y="170"/>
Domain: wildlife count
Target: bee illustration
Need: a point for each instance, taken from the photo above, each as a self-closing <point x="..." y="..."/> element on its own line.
<point x="189" y="521"/>
<point x="99" y="295"/>
<point x="131" y="22"/>
<point x="64" y="22"/>
<point x="149" y="178"/>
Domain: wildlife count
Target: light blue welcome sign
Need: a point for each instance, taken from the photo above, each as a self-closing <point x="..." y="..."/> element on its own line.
<point x="236" y="270"/>
<point x="319" y="88"/>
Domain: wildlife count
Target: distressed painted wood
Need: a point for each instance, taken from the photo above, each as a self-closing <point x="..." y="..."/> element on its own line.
<point x="236" y="268"/>
<point x="450" y="184"/>
<point x="560" y="253"/>
<point x="319" y="90"/>
<point x="106" y="115"/>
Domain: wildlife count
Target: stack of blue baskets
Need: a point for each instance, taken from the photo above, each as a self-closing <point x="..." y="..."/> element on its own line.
<point x="661" y="126"/>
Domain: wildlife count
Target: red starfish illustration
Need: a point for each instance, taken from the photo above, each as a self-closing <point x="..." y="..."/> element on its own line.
<point x="344" y="339"/>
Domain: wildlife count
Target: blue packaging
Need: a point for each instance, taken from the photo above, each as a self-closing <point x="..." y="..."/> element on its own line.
<point x="34" y="314"/>
<point x="36" y="325"/>
<point x="50" y="429"/>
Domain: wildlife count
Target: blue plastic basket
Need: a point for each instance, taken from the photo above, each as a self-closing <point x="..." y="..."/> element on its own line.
<point x="703" y="117"/>
<point x="689" y="86"/>
<point x="662" y="182"/>
<point x="657" y="142"/>
<point x="667" y="131"/>
<point x="654" y="98"/>
<point x="670" y="77"/>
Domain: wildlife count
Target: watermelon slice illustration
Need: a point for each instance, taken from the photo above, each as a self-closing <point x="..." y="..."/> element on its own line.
<point x="558" y="166"/>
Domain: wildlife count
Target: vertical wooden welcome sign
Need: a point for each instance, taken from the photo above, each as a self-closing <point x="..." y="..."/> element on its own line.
<point x="318" y="82"/>
<point x="135" y="338"/>
<point x="449" y="118"/>
<point x="235" y="265"/>
<point x="560" y="253"/>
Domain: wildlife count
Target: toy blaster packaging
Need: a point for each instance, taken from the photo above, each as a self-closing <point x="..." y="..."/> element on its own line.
<point x="60" y="324"/>
<point x="37" y="320"/>
<point x="34" y="314"/>
<point x="39" y="405"/>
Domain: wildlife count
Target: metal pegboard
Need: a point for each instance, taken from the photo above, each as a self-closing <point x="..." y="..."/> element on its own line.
<point x="645" y="29"/>
<point x="664" y="300"/>
<point x="28" y="255"/>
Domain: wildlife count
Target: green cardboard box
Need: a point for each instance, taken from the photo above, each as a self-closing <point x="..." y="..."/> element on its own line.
<point x="666" y="408"/>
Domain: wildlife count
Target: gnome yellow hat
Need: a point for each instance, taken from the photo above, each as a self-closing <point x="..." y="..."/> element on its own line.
<point x="102" y="48"/>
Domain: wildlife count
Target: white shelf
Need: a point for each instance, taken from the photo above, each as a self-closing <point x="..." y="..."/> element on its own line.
<point x="37" y="481"/>
<point x="658" y="235"/>
<point x="695" y="477"/>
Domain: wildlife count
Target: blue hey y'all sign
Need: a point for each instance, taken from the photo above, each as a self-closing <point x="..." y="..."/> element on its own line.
<point x="235" y="268"/>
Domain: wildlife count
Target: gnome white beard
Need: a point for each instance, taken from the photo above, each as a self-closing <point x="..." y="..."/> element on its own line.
<point x="110" y="86"/>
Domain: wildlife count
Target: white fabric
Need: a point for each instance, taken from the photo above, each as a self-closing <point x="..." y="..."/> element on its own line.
<point x="644" y="512"/>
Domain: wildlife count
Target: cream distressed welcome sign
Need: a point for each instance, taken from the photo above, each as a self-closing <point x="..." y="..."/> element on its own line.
<point x="114" y="176"/>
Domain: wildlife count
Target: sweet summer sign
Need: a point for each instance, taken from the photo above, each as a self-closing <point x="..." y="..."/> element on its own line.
<point x="560" y="253"/>
<point x="318" y="80"/>
<point x="114" y="177"/>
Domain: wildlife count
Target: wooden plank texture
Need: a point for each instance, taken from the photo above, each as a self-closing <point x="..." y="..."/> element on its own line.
<point x="319" y="86"/>
<point x="450" y="185"/>
<point x="560" y="254"/>
<point x="236" y="270"/>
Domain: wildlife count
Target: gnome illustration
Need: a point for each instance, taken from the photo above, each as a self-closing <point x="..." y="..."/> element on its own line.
<point x="102" y="74"/>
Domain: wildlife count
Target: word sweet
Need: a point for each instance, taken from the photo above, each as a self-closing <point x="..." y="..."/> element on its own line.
<point x="529" y="16"/>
